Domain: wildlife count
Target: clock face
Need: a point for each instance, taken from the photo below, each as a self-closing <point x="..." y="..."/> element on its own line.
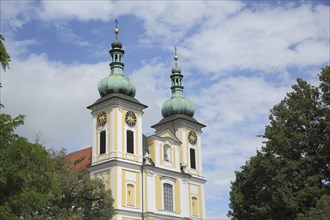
<point x="101" y="119"/>
<point x="192" y="137"/>
<point x="130" y="118"/>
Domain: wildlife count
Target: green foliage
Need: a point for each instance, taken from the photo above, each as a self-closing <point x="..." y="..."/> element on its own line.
<point x="291" y="172"/>
<point x="320" y="212"/>
<point x="25" y="172"/>
<point x="38" y="184"/>
<point x="76" y="195"/>
<point x="4" y="56"/>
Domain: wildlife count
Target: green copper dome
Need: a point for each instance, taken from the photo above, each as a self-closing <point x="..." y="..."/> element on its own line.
<point x="177" y="104"/>
<point x="116" y="82"/>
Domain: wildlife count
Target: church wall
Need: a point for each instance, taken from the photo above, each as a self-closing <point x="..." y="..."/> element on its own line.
<point x="117" y="190"/>
<point x="137" y="129"/>
<point x="195" y="191"/>
<point x="133" y="178"/>
<point x="137" y="186"/>
<point x="152" y="150"/>
<point x="150" y="191"/>
<point x="158" y="193"/>
<point x="177" y="196"/>
<point x="115" y="131"/>
<point x="179" y="134"/>
<point x="184" y="195"/>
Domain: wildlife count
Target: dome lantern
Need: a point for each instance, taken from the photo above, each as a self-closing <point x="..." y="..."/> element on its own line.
<point x="116" y="82"/>
<point x="177" y="104"/>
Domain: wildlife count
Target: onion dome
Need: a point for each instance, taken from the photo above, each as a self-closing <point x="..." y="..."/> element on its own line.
<point x="177" y="104"/>
<point x="116" y="82"/>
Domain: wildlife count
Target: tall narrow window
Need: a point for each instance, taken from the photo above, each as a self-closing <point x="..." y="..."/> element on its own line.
<point x="192" y="158"/>
<point x="130" y="195"/>
<point x="130" y="142"/>
<point x="194" y="206"/>
<point x="102" y="142"/>
<point x="168" y="197"/>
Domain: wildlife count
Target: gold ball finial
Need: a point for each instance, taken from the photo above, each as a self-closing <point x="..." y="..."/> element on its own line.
<point x="176" y="57"/>
<point x="116" y="28"/>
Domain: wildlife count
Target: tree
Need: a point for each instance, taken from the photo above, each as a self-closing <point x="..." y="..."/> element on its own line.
<point x="4" y="56"/>
<point x="76" y="195"/>
<point x="40" y="184"/>
<point x="320" y="212"/>
<point x="25" y="168"/>
<point x="290" y="173"/>
<point x="25" y="172"/>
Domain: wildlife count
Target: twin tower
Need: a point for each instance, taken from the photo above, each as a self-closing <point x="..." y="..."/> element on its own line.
<point x="155" y="177"/>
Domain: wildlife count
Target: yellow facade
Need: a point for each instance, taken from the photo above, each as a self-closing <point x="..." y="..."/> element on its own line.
<point x="158" y="193"/>
<point x="150" y="180"/>
<point x="177" y="197"/>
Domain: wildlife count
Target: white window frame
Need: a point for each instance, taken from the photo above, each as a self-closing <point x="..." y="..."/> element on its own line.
<point x="134" y="141"/>
<point x="170" y="181"/>
<point x="99" y="140"/>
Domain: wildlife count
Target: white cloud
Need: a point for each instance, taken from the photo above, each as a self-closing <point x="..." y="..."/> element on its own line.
<point x="54" y="98"/>
<point x="219" y="40"/>
<point x="66" y="34"/>
<point x="45" y="90"/>
<point x="14" y="14"/>
<point x="262" y="40"/>
<point x="79" y="10"/>
<point x="215" y="36"/>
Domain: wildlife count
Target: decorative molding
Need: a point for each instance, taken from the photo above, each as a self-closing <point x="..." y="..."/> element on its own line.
<point x="162" y="178"/>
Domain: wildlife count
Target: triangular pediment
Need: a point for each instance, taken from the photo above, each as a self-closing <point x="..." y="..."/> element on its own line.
<point x="165" y="135"/>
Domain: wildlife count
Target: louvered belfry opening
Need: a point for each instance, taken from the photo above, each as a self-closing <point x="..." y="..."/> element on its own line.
<point x="192" y="158"/>
<point x="102" y="142"/>
<point x="130" y="141"/>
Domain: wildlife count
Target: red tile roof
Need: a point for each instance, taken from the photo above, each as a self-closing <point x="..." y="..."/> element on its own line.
<point x="81" y="159"/>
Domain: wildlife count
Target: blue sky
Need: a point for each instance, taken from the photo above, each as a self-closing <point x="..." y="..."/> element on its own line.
<point x="239" y="58"/>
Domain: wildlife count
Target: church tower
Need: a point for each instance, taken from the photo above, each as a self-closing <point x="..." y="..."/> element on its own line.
<point x="175" y="149"/>
<point x="155" y="177"/>
<point x="117" y="151"/>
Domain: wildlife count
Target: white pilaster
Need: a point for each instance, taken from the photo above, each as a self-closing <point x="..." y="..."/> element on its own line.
<point x="120" y="130"/>
<point x="184" y="146"/>
<point x="203" y="202"/>
<point x="119" y="182"/>
<point x="185" y="200"/>
<point x="140" y="137"/>
<point x="112" y="132"/>
<point x="94" y="145"/>
<point x="200" y="153"/>
<point x="151" y="191"/>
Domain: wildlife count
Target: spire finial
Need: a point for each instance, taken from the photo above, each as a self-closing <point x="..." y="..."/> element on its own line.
<point x="116" y="29"/>
<point x="175" y="55"/>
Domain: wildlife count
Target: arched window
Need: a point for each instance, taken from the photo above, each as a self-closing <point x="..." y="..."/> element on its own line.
<point x="192" y="158"/>
<point x="130" y="141"/>
<point x="102" y="142"/>
<point x="194" y="204"/>
<point x="168" y="196"/>
<point x="130" y="195"/>
<point x="167" y="152"/>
